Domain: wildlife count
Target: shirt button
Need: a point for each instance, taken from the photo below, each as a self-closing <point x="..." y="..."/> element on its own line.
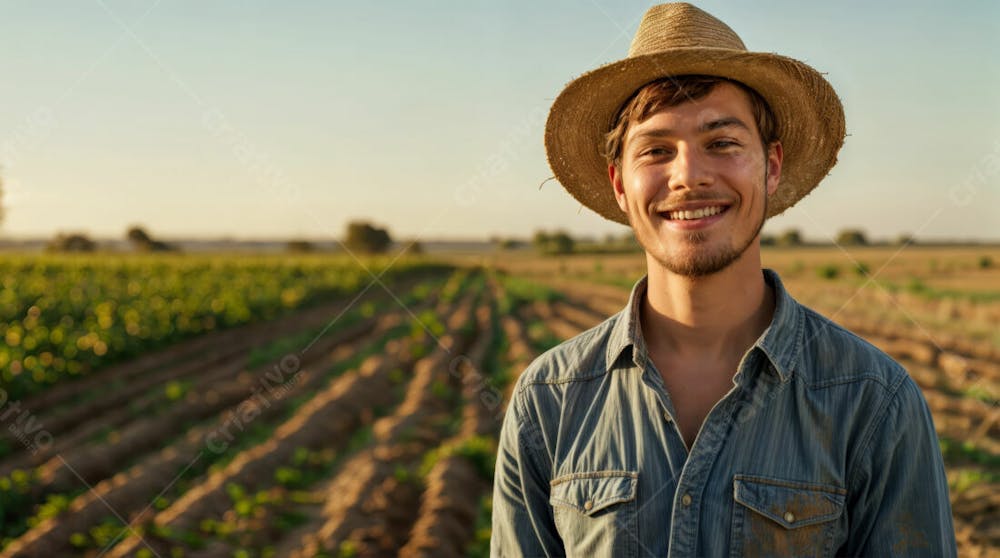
<point x="686" y="499"/>
<point x="666" y="416"/>
<point x="588" y="504"/>
<point x="789" y="517"/>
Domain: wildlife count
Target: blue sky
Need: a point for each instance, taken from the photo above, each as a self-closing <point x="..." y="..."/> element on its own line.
<point x="277" y="119"/>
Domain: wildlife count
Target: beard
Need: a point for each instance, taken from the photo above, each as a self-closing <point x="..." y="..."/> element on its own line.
<point x="706" y="262"/>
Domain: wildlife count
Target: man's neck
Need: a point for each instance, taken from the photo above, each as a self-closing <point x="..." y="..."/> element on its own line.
<point x="716" y="317"/>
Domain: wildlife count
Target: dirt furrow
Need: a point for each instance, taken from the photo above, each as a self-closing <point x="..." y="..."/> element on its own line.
<point x="89" y="427"/>
<point x="59" y="409"/>
<point x="578" y="314"/>
<point x="448" y="506"/>
<point x="977" y="520"/>
<point x="937" y="340"/>
<point x="520" y="353"/>
<point x="131" y="490"/>
<point x="448" y="510"/>
<point x="605" y="299"/>
<point x="98" y="461"/>
<point x="327" y="420"/>
<point x="370" y="483"/>
<point x="559" y="327"/>
<point x="955" y="372"/>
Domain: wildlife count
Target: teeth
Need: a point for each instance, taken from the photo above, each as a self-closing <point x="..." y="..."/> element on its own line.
<point x="696" y="214"/>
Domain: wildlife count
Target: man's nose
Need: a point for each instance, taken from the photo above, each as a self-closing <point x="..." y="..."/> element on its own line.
<point x="689" y="169"/>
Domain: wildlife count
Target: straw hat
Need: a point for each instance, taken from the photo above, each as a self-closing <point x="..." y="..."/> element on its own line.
<point x="678" y="39"/>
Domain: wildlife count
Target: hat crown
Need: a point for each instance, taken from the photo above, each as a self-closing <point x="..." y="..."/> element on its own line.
<point x="681" y="25"/>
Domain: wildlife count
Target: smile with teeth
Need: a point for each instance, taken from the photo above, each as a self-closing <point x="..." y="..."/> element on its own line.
<point x="696" y="213"/>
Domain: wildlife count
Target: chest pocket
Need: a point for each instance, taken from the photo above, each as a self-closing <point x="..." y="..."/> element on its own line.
<point x="595" y="512"/>
<point x="774" y="517"/>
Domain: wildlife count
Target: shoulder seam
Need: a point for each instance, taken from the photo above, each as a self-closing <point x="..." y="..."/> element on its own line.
<point x="524" y="424"/>
<point x="892" y="400"/>
<point x="569" y="379"/>
<point x="583" y="338"/>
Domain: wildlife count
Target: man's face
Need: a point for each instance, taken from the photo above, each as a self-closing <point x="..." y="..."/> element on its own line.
<point x="700" y="156"/>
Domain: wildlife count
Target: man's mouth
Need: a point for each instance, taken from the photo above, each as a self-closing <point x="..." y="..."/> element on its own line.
<point x="693" y="214"/>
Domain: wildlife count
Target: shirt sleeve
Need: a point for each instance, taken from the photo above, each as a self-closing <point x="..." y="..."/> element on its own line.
<point x="898" y="501"/>
<point x="522" y="517"/>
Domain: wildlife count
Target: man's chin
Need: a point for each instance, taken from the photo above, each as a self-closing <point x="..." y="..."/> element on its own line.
<point x="696" y="260"/>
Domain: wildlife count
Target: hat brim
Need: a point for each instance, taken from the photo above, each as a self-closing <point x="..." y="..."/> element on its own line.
<point x="810" y="119"/>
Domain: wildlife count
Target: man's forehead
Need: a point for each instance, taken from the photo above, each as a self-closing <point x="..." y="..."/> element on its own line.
<point x="724" y="102"/>
<point x="704" y="119"/>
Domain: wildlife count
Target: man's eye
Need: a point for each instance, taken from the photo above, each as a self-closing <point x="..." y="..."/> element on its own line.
<point x="657" y="151"/>
<point x="723" y="144"/>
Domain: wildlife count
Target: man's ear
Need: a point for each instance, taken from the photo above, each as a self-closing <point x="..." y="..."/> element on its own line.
<point x="616" y="183"/>
<point x="775" y="156"/>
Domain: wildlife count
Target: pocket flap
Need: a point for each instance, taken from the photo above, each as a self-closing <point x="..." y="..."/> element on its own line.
<point x="589" y="493"/>
<point x="791" y="504"/>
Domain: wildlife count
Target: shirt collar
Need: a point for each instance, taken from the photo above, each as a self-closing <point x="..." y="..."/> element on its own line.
<point x="780" y="342"/>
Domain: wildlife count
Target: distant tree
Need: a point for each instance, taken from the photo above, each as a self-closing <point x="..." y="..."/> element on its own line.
<point x="143" y="242"/>
<point x="630" y="241"/>
<point x="852" y="237"/>
<point x="363" y="237"/>
<point x="558" y="242"/>
<point x="561" y="243"/>
<point x="791" y="237"/>
<point x="540" y="241"/>
<point x="413" y="248"/>
<point x="768" y="240"/>
<point x="510" y="244"/>
<point x="73" y="242"/>
<point x="625" y="242"/>
<point x="138" y="235"/>
<point x="904" y="239"/>
<point x="299" y="246"/>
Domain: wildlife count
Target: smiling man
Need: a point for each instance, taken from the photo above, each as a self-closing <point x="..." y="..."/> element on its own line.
<point x="714" y="415"/>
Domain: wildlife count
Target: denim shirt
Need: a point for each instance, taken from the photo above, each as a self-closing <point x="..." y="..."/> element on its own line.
<point x="824" y="446"/>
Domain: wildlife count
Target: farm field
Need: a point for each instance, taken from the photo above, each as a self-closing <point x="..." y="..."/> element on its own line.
<point x="352" y="418"/>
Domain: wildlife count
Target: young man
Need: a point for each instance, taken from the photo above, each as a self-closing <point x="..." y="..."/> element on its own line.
<point x="714" y="415"/>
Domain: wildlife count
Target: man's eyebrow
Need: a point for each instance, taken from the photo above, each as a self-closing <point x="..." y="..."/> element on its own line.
<point x="654" y="133"/>
<point x="706" y="127"/>
<point x="722" y="123"/>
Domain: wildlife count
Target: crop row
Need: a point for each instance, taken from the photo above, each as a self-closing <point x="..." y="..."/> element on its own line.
<point x="63" y="316"/>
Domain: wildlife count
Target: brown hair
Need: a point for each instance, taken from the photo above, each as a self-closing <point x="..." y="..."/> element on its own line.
<point x="672" y="91"/>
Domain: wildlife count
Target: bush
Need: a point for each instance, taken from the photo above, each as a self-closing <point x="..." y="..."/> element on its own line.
<point x="363" y="237"/>
<point x="791" y="237"/>
<point x="851" y="237"/>
<point x="299" y="246"/>
<point x="143" y="242"/>
<point x="828" y="271"/>
<point x="75" y="242"/>
<point x="915" y="285"/>
<point x="559" y="242"/>
<point x="985" y="262"/>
